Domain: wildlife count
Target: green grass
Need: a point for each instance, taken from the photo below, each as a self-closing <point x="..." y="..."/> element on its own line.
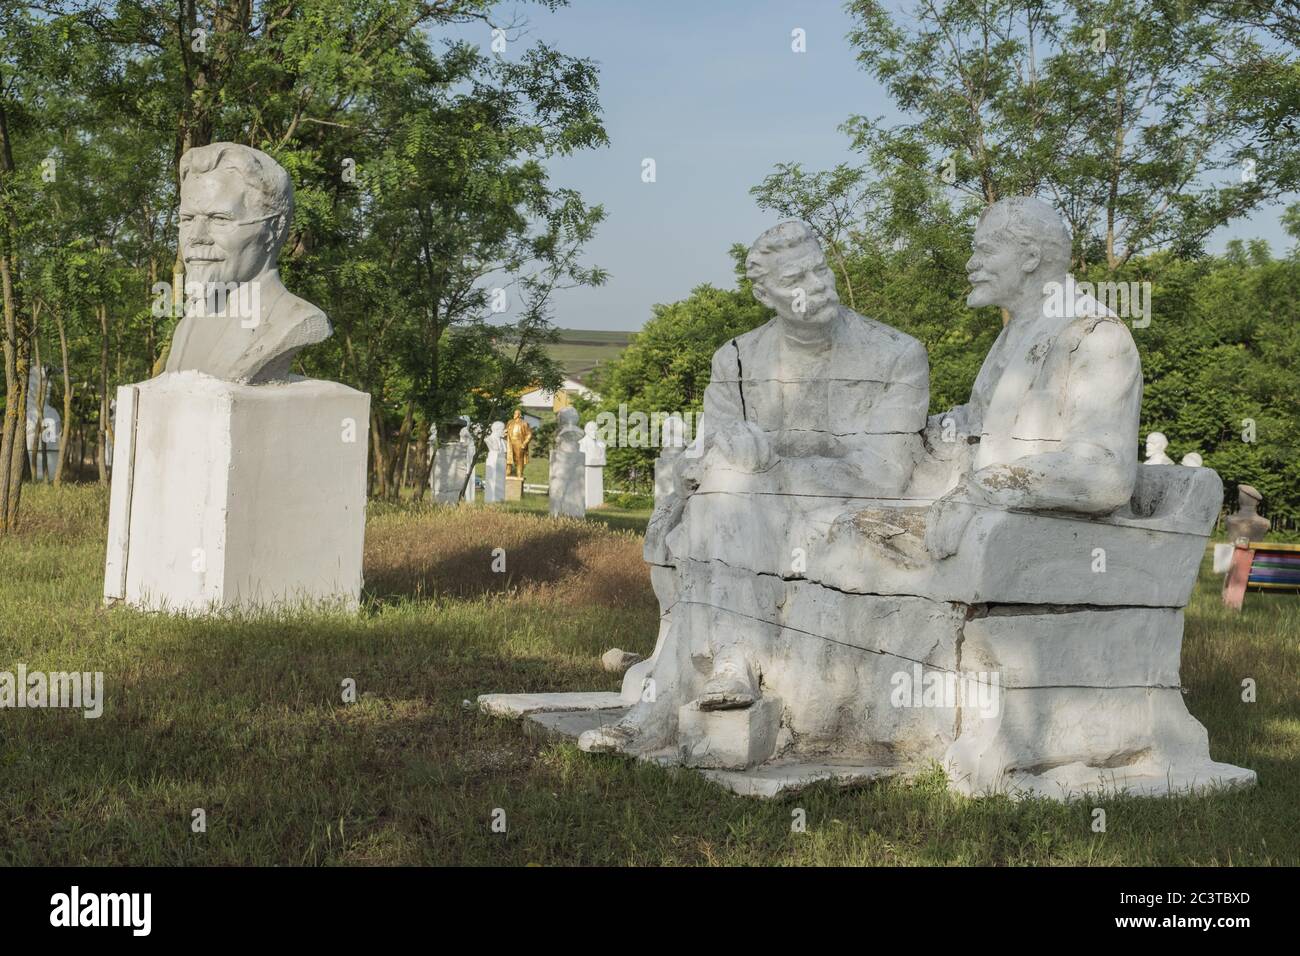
<point x="245" y="719"/>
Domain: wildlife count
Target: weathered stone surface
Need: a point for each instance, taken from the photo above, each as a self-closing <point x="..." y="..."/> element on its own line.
<point x="1063" y="742"/>
<point x="447" y="480"/>
<point x="729" y="739"/>
<point x="523" y="705"/>
<point x="1073" y="646"/>
<point x="237" y="496"/>
<point x="851" y="590"/>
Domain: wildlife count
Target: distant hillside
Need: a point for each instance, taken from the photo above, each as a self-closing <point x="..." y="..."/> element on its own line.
<point x="579" y="350"/>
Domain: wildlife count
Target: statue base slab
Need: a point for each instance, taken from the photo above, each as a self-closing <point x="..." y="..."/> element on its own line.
<point x="237" y="497"/>
<point x="567" y="716"/>
<point x="514" y="489"/>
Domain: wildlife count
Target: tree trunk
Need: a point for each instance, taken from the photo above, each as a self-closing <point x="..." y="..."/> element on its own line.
<point x="101" y="443"/>
<point x="394" y="481"/>
<point x="66" y="434"/>
<point x="422" y="464"/>
<point x="377" y="442"/>
<point x="17" y="343"/>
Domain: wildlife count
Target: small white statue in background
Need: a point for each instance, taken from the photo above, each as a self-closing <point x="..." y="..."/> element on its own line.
<point x="1156" y="445"/>
<point x="593" y="449"/>
<point x="494" y="470"/>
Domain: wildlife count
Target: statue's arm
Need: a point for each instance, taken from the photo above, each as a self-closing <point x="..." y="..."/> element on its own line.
<point x="1094" y="468"/>
<point x="886" y="454"/>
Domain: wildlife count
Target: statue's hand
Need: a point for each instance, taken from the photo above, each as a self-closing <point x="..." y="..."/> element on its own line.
<point x="745" y="447"/>
<point x="946" y="522"/>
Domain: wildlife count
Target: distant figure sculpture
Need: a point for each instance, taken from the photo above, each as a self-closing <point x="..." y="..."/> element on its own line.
<point x="1246" y="522"/>
<point x="1193" y="460"/>
<point x="518" y="435"/>
<point x="494" y="469"/>
<point x="1156" y="445"/>
<point x="241" y="324"/>
<point x="671" y="445"/>
<point x="593" y="450"/>
<point x="568" y="467"/>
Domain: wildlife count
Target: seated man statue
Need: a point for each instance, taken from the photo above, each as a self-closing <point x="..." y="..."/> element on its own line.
<point x="1053" y="416"/>
<point x="818" y="402"/>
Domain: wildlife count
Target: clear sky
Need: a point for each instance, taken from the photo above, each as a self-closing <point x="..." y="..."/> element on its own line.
<point x="712" y="91"/>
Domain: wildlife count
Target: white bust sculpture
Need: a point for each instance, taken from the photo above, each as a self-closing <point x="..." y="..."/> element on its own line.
<point x="1156" y="445"/>
<point x="235" y="211"/>
<point x="567" y="485"/>
<point x="494" y="468"/>
<point x="1193" y="460"/>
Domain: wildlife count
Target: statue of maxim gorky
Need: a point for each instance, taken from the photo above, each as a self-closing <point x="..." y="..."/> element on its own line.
<point x="241" y="324"/>
<point x="853" y="589"/>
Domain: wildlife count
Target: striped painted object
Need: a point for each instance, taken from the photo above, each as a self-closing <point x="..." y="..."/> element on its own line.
<point x="1275" y="567"/>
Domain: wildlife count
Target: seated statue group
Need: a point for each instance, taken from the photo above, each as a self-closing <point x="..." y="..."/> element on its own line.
<point x="852" y="588"/>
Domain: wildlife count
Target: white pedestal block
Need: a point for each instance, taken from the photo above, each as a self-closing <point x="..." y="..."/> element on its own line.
<point x="448" y="476"/>
<point x="595" y="486"/>
<point x="567" y="484"/>
<point x="494" y="477"/>
<point x="229" y="496"/>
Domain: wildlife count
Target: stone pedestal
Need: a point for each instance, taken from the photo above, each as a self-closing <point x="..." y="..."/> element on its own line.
<point x="514" y="489"/>
<point x="595" y="486"/>
<point x="494" y="477"/>
<point x="233" y="496"/>
<point x="448" y="476"/>
<point x="594" y="451"/>
<point x="567" y="483"/>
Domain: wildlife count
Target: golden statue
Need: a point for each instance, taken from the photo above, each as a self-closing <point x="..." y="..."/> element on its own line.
<point x="518" y="435"/>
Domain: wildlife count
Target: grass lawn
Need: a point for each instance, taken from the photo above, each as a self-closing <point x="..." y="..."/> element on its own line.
<point x="246" y="720"/>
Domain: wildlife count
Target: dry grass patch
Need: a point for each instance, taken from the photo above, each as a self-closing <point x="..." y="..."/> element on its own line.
<point x="432" y="551"/>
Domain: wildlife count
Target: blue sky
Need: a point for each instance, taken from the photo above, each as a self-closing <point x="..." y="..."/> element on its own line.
<point x="713" y="93"/>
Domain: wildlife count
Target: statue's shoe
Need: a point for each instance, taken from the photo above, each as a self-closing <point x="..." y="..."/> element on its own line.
<point x="609" y="739"/>
<point x="726" y="692"/>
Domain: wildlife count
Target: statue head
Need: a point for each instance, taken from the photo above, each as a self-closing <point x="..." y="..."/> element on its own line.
<point x="1020" y="245"/>
<point x="1156" y="444"/>
<point x="518" y="413"/>
<point x="790" y="275"/>
<point x="567" y="417"/>
<point x="235" y="210"/>
<point x="1248" y="499"/>
<point x="1192" y="460"/>
<point x="498" y="429"/>
<point x="590" y="430"/>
